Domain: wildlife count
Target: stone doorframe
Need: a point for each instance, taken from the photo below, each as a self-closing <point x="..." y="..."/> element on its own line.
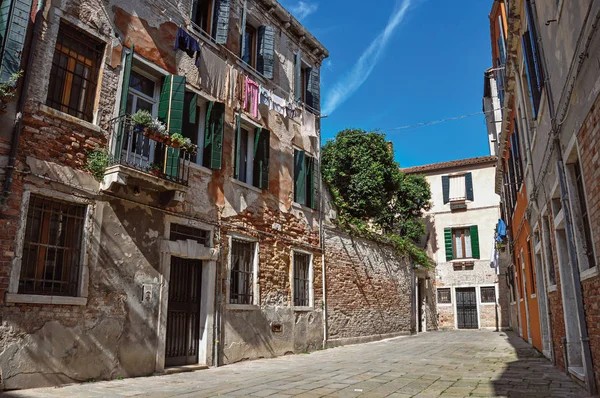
<point x="188" y="249"/>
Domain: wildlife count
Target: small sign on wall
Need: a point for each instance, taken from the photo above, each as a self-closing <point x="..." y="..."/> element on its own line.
<point x="146" y="293"/>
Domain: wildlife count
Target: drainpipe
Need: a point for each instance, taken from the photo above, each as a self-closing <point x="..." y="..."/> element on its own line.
<point x="219" y="288"/>
<point x="322" y="241"/>
<point x="572" y="253"/>
<point x="18" y="127"/>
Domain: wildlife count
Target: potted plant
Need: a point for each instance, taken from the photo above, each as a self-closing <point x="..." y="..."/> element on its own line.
<point x="157" y="131"/>
<point x="8" y="90"/>
<point x="190" y="147"/>
<point x="177" y="140"/>
<point x="141" y="120"/>
<point x="154" y="169"/>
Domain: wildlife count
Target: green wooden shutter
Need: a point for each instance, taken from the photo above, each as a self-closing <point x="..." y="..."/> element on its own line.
<point x="299" y="177"/>
<point x="127" y="63"/>
<point x="170" y="107"/>
<point x="208" y="126"/>
<point x="310" y="183"/>
<point x="238" y="139"/>
<point x="475" y="242"/>
<point x="14" y="21"/>
<point x="313" y="90"/>
<point x="221" y="21"/>
<point x="216" y="154"/>
<point x="172" y="162"/>
<point x="262" y="148"/>
<point x="266" y="51"/>
<point x="469" y="185"/>
<point x="297" y="77"/>
<point x="193" y="108"/>
<point x="243" y="29"/>
<point x="448" y="243"/>
<point x="446" y="188"/>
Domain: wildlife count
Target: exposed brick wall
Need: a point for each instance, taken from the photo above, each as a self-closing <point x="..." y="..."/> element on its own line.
<point x="368" y="288"/>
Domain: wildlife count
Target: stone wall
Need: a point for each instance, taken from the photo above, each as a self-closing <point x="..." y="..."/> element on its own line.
<point x="368" y="289"/>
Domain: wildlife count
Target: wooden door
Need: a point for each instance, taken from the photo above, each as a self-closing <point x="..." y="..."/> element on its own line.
<point x="466" y="308"/>
<point x="183" y="313"/>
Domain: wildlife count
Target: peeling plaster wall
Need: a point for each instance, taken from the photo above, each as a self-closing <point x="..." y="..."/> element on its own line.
<point x="115" y="333"/>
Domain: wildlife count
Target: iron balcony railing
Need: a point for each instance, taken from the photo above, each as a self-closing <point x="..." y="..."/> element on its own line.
<point x="152" y="154"/>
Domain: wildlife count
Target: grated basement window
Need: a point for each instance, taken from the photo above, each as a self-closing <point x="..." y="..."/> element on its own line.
<point x="74" y="72"/>
<point x="444" y="296"/>
<point x="51" y="259"/>
<point x="488" y="294"/>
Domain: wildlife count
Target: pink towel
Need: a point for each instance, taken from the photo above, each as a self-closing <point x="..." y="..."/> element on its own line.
<point x="252" y="96"/>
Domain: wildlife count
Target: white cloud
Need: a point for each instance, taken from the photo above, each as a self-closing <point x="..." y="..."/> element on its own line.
<point x="303" y="9"/>
<point x="360" y="72"/>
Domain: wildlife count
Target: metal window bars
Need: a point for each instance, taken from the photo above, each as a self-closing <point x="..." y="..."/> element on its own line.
<point x="52" y="247"/>
<point x="138" y="149"/>
<point x="301" y="280"/>
<point x="242" y="272"/>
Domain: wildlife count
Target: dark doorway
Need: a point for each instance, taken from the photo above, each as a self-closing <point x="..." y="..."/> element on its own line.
<point x="421" y="320"/>
<point x="183" y="314"/>
<point x="466" y="308"/>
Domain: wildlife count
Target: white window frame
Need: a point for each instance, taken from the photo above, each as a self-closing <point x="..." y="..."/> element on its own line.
<point x="464" y="180"/>
<point x="437" y="297"/>
<point x="250" y="127"/>
<point x="13" y="295"/>
<point x="481" y="302"/>
<point x="311" y="281"/>
<point x="255" y="264"/>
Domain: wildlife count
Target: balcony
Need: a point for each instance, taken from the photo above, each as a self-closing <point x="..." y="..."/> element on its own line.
<point x="146" y="162"/>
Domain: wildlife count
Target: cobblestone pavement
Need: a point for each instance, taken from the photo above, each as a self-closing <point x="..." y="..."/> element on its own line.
<point x="434" y="364"/>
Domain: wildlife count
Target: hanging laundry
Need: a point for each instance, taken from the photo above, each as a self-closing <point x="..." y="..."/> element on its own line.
<point x="251" y="99"/>
<point x="291" y="111"/>
<point x="309" y="128"/>
<point x="232" y="88"/>
<point x="185" y="42"/>
<point x="279" y="104"/>
<point x="213" y="74"/>
<point x="265" y="98"/>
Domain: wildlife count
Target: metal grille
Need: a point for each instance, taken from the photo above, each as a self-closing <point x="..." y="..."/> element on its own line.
<point x="242" y="270"/>
<point x="74" y="74"/>
<point x="183" y="232"/>
<point x="488" y="294"/>
<point x="444" y="296"/>
<point x="301" y="280"/>
<point x="52" y="247"/>
<point x="183" y="332"/>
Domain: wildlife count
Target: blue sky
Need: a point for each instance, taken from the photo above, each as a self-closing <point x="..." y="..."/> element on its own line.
<point x="404" y="62"/>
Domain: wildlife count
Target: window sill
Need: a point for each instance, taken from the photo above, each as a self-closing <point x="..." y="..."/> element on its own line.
<point x="552" y="288"/>
<point x="303" y="309"/>
<point x="243" y="307"/>
<point x="200" y="168"/>
<point x="245" y="185"/>
<point x="444" y="304"/>
<point x="300" y="206"/>
<point x="588" y="273"/>
<point x="68" y="118"/>
<point x="487" y="304"/>
<point x="39" y="299"/>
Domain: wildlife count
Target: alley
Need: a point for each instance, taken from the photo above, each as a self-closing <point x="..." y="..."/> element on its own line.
<point x="445" y="363"/>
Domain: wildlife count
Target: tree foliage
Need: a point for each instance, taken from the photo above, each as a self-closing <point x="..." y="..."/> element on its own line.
<point x="372" y="194"/>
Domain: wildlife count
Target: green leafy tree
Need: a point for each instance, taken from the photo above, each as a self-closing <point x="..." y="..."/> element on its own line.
<point x="373" y="196"/>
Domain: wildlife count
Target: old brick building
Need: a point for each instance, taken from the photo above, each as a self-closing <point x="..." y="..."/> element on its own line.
<point x="551" y="98"/>
<point x="461" y="231"/>
<point x="199" y="251"/>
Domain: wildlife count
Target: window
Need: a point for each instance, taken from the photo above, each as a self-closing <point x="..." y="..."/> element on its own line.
<point x="202" y="15"/>
<point x="462" y="243"/>
<point x="585" y="221"/>
<point x="307" y="84"/>
<point x="488" y="294"/>
<point x="532" y="62"/>
<point x="184" y="232"/>
<point x="249" y="49"/>
<point x="252" y="152"/>
<point x="457" y="187"/>
<point x="302" y="279"/>
<point x="304" y="192"/>
<point x="51" y="259"/>
<point x="242" y="272"/>
<point x="444" y="296"/>
<point x="74" y="73"/>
